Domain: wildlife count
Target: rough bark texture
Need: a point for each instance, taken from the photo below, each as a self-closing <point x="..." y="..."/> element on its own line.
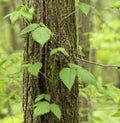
<point x="52" y="13"/>
<point x="83" y="29"/>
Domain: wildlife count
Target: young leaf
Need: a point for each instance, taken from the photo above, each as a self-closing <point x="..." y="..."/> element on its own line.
<point x="41" y="35"/>
<point x="29" y="28"/>
<point x="42" y="96"/>
<point x="14" y="16"/>
<point x="86" y="76"/>
<point x="61" y="49"/>
<point x="67" y="75"/>
<point x="74" y="66"/>
<point x="41" y="108"/>
<point x="35" y="68"/>
<point x="55" y="110"/>
<point x="85" y="8"/>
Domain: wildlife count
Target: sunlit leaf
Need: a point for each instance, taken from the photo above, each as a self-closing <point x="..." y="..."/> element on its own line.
<point x="67" y="75"/>
<point x="55" y="110"/>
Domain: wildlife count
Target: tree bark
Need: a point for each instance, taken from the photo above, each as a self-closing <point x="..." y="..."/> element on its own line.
<point x="53" y="13"/>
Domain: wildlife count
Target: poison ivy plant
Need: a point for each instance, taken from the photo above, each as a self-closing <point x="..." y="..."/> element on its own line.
<point x="43" y="107"/>
<point x="67" y="75"/>
<point x="21" y="11"/>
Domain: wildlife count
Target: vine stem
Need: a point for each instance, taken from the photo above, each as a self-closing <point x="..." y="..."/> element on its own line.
<point x="102" y="65"/>
<point x="68" y="15"/>
<point x="45" y="76"/>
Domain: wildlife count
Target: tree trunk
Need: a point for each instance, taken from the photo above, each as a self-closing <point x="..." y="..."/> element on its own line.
<point x="52" y="13"/>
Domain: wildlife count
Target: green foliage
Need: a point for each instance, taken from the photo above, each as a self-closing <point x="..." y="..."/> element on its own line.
<point x="85" y="8"/>
<point x="29" y="28"/>
<point x="41" y="35"/>
<point x="35" y="68"/>
<point x="116" y="5"/>
<point x="67" y="75"/>
<point x="21" y="11"/>
<point x="59" y="49"/>
<point x="55" y="110"/>
<point x="43" y="107"/>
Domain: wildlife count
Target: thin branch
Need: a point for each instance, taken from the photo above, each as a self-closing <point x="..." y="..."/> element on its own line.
<point x="102" y="65"/>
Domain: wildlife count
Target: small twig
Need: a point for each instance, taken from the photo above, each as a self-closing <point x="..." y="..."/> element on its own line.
<point x="102" y="65"/>
<point x="68" y="15"/>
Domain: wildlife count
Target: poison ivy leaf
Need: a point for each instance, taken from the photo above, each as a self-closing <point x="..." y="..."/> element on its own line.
<point x="74" y="66"/>
<point x="42" y="96"/>
<point x="41" y="108"/>
<point x="41" y="35"/>
<point x="55" y="110"/>
<point x="61" y="49"/>
<point x="47" y="97"/>
<point x="27" y="15"/>
<point x="35" y="68"/>
<point x="67" y="75"/>
<point x="29" y="28"/>
<point x="86" y="76"/>
<point x="85" y="8"/>
<point x="14" y="16"/>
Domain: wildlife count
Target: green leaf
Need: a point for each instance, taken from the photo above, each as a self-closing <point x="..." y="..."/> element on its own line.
<point x="74" y="66"/>
<point x="42" y="96"/>
<point x="96" y="12"/>
<point x="25" y="12"/>
<point x="86" y="76"/>
<point x="41" y="35"/>
<point x="85" y="8"/>
<point x="116" y="114"/>
<point x="47" y="97"/>
<point x="35" y="68"/>
<point x="14" y="16"/>
<point x="41" y="109"/>
<point x="55" y="110"/>
<point x="61" y="49"/>
<point x="29" y="28"/>
<point x="67" y="75"/>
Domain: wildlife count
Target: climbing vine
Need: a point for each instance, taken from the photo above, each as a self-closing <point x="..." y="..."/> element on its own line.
<point x="41" y="34"/>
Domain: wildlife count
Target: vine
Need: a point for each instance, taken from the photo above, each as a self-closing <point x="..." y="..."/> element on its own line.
<point x="41" y="34"/>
